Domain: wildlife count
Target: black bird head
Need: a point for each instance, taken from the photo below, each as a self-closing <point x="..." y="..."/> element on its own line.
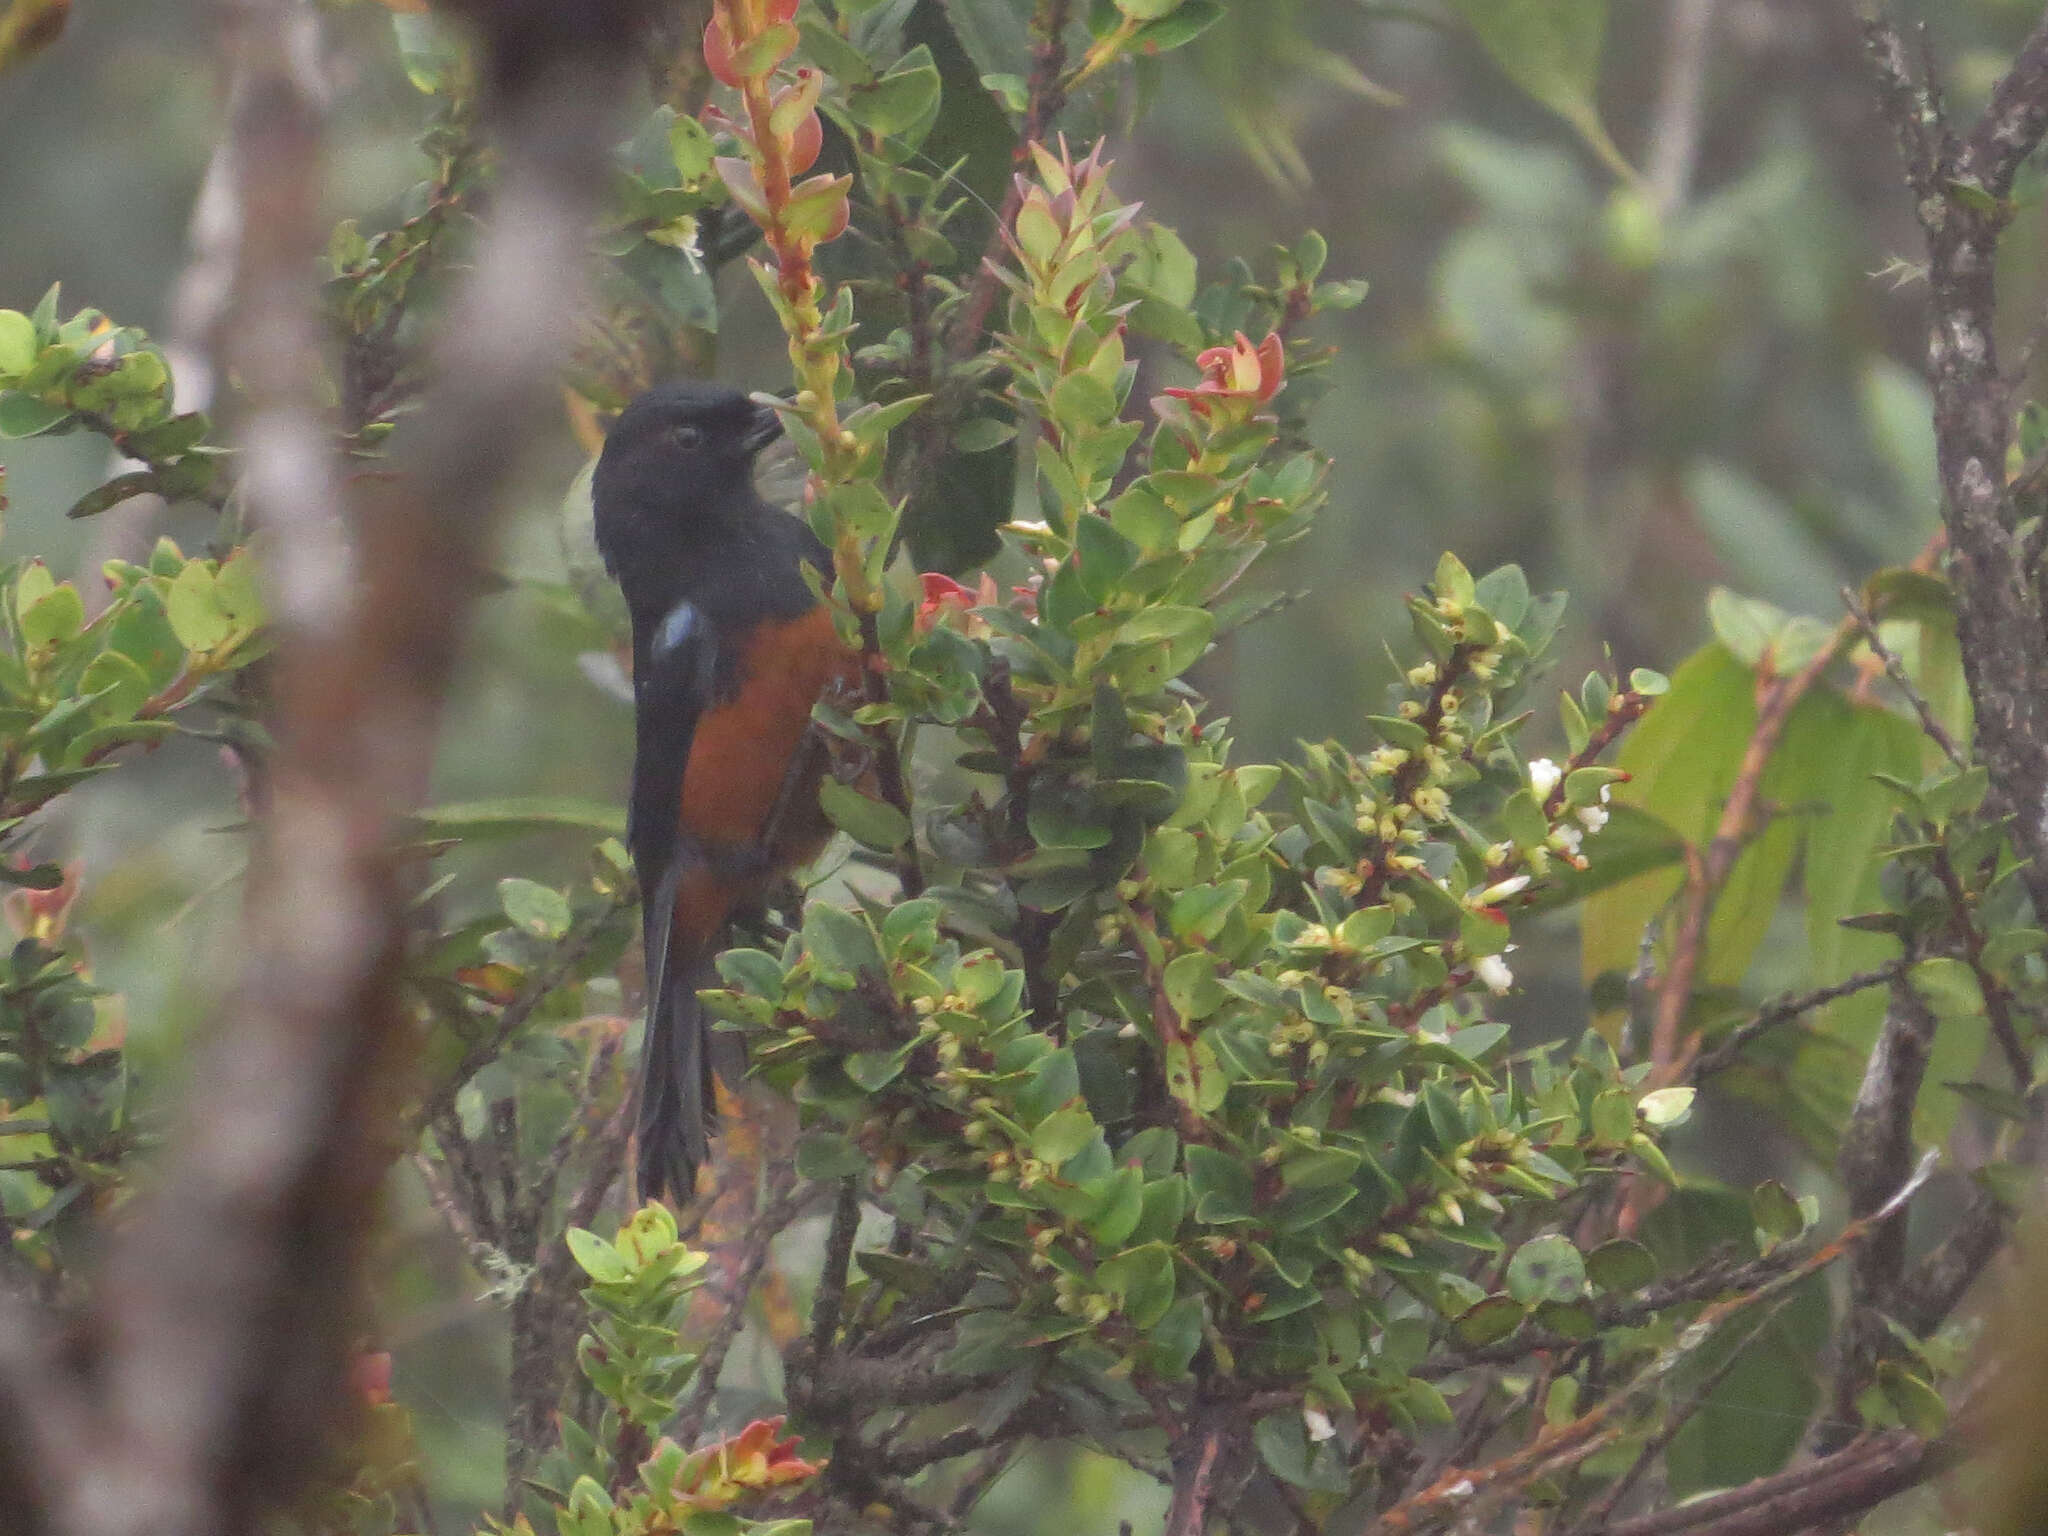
<point x="677" y="467"/>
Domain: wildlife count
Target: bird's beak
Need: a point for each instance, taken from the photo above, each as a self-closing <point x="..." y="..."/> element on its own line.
<point x="766" y="428"/>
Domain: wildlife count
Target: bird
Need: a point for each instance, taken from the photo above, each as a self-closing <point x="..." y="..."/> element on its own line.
<point x="732" y="649"/>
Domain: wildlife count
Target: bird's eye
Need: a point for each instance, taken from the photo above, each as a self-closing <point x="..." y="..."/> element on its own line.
<point x="685" y="438"/>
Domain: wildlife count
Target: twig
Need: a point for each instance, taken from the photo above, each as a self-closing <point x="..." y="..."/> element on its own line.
<point x="546" y="1311"/>
<point x="1046" y="95"/>
<point x="889" y="756"/>
<point x="1201" y="1455"/>
<point x="1708" y="872"/>
<point x="1877" y="1148"/>
<point x="224" y="1317"/>
<point x="1785" y="1008"/>
<point x="1936" y="1285"/>
<point x="1998" y="1001"/>
<point x="538" y="987"/>
<point x="473" y="1197"/>
<point x="1859" y="1476"/>
<point x="1675" y="138"/>
<point x="1556" y="1447"/>
<point x="1601" y="1510"/>
<point x="485" y="1257"/>
<point x="1895" y="669"/>
<point x="784" y="1205"/>
<point x="838" y="1262"/>
<point x="1004" y="725"/>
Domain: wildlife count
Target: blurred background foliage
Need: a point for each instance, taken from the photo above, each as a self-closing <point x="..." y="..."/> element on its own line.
<point x="1636" y="390"/>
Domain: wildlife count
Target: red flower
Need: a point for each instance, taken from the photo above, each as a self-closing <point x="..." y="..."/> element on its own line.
<point x="943" y="595"/>
<point x="721" y="1474"/>
<point x="757" y="1458"/>
<point x="940" y="594"/>
<point x="1237" y="378"/>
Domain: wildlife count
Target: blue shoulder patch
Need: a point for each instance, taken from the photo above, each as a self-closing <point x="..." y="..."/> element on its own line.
<point x="677" y="629"/>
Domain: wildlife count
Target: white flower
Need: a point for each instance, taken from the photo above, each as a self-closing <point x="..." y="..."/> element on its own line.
<point x="1317" y="1423"/>
<point x="1593" y="818"/>
<point x="1513" y="886"/>
<point x="1544" y="776"/>
<point x="1493" y="970"/>
<point x="1567" y="839"/>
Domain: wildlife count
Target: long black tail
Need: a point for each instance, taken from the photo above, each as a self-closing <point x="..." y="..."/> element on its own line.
<point x="677" y="1102"/>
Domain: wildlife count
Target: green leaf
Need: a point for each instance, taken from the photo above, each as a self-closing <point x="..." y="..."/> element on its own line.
<point x="122" y="686"/>
<point x="873" y="823"/>
<point x="112" y="493"/>
<point x="875" y="1070"/>
<point x="17" y="343"/>
<point x="822" y="1155"/>
<point x="833" y="53"/>
<point x="1546" y="1268"/>
<point x="518" y="815"/>
<point x="901" y="100"/>
<point x="1621" y="1266"/>
<point x="1949" y="987"/>
<point x="23" y="415"/>
<point x="54" y="617"/>
<point x="1490" y="1320"/>
<point x="1141" y="1279"/>
<point x="1188" y="22"/>
<point x="1776" y="1213"/>
<point x="597" y="1258"/>
<point x="1184" y="631"/>
<point x="689" y="146"/>
<point x="1062" y="1134"/>
<point x="1665" y="1107"/>
<point x="195" y="612"/>
<point x="539" y="909"/>
<point x="1201" y="911"/>
<point x="1683" y="759"/>
<point x="1551" y="49"/>
<point x="1221" y="1185"/>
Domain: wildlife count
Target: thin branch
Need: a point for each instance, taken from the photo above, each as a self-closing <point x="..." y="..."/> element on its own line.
<point x="539" y="986"/>
<point x="1936" y="1285"/>
<point x="1708" y="871"/>
<point x="225" y="1311"/>
<point x="889" y="776"/>
<point x="838" y="1262"/>
<point x="1204" y="1456"/>
<point x="1785" y="1008"/>
<point x="485" y="1256"/>
<point x="784" y="1206"/>
<point x="1998" y="1001"/>
<point x="1046" y="96"/>
<point x="1601" y="1510"/>
<point x="1895" y="669"/>
<point x="1858" y="1477"/>
<point x="1560" y="1446"/>
<point x="1675" y="138"/>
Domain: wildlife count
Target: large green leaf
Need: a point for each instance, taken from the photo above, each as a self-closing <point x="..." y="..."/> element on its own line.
<point x="1683" y="760"/>
<point x="1807" y="1074"/>
<point x="515" y="815"/>
<point x="1551" y="49"/>
<point x="1755" y="1416"/>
